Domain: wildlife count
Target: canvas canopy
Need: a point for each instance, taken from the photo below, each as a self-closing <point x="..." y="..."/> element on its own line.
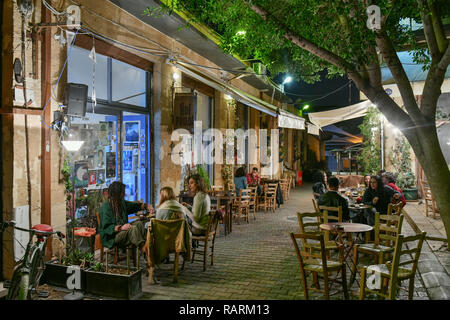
<point x="326" y="118"/>
<point x="290" y="120"/>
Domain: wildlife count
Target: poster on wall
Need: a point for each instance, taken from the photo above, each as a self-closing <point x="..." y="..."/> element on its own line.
<point x="127" y="160"/>
<point x="92" y="177"/>
<point x="131" y="131"/>
<point x="81" y="178"/>
<point x="100" y="158"/>
<point x="100" y="176"/>
<point x="130" y="187"/>
<point x="103" y="133"/>
<point x="110" y="165"/>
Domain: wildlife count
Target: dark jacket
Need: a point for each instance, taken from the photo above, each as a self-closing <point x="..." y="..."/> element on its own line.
<point x="319" y="188"/>
<point x="384" y="198"/>
<point x="333" y="199"/>
<point x="108" y="221"/>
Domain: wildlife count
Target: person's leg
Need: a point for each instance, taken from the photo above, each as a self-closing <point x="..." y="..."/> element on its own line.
<point x="136" y="234"/>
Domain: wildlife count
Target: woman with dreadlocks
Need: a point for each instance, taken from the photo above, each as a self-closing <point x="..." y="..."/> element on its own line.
<point x="114" y="227"/>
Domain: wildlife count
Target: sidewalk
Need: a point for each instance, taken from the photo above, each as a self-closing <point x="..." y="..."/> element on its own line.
<point x="434" y="262"/>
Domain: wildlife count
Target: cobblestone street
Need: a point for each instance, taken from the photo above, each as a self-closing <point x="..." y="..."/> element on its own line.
<point x="256" y="261"/>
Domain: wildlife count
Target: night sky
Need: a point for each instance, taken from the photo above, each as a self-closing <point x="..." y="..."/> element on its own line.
<point x="318" y="97"/>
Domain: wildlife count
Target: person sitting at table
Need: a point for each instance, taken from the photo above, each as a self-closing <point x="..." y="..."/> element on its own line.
<point x="197" y="215"/>
<point x="169" y="208"/>
<point x="378" y="196"/>
<point x="114" y="228"/>
<point x="367" y="180"/>
<point x="255" y="180"/>
<point x="320" y="183"/>
<point x="389" y="180"/>
<point x="240" y="180"/>
<point x="332" y="198"/>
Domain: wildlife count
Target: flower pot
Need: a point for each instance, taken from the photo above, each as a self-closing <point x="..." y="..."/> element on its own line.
<point x="120" y="286"/>
<point x="55" y="274"/>
<point x="410" y="194"/>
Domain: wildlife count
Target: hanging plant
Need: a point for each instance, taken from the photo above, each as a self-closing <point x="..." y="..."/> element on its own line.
<point x="370" y="157"/>
<point x="227" y="173"/>
<point x="400" y="157"/>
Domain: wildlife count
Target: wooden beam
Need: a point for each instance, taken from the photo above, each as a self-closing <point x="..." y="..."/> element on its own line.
<point x="46" y="205"/>
<point x="21" y="110"/>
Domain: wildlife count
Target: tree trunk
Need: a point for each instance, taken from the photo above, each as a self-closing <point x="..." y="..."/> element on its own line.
<point x="430" y="156"/>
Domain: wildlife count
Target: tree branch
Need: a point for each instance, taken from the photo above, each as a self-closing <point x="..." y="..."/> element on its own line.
<point x="438" y="27"/>
<point x="433" y="83"/>
<point x="390" y="56"/>
<point x="309" y="46"/>
<point x="428" y="29"/>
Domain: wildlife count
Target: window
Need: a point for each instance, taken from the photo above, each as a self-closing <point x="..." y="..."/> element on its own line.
<point x="115" y="82"/>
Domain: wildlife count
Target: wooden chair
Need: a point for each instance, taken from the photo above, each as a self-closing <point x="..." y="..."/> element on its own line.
<point x="284" y="184"/>
<point x="253" y="200"/>
<point x="394" y="209"/>
<point x="167" y="240"/>
<point x="116" y="258"/>
<point x="315" y="263"/>
<point x="312" y="227"/>
<point x="327" y="210"/>
<point x="428" y="197"/>
<point x="316" y="206"/>
<point x="231" y="186"/>
<point x="269" y="200"/>
<point x="203" y="240"/>
<point x="243" y="205"/>
<point x="391" y="274"/>
<point x="216" y="189"/>
<point x="387" y="228"/>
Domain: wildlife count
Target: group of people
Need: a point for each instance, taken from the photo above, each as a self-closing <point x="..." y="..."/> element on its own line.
<point x="242" y="180"/>
<point x="380" y="191"/>
<point x="115" y="230"/>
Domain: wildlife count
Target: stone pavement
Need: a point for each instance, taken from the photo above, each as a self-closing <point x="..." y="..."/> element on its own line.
<point x="256" y="261"/>
<point x="434" y="262"/>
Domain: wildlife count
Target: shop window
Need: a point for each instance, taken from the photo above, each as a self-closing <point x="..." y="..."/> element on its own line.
<point x="81" y="71"/>
<point x="128" y="84"/>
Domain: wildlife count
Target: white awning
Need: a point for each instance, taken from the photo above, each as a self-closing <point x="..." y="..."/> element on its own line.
<point x="224" y="87"/>
<point x="325" y="118"/>
<point x="290" y="120"/>
<point x="312" y="129"/>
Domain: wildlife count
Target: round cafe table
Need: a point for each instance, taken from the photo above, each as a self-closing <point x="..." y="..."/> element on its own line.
<point x="347" y="228"/>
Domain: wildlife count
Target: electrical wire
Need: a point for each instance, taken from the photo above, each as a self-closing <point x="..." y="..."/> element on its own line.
<point x="53" y="10"/>
<point x="59" y="77"/>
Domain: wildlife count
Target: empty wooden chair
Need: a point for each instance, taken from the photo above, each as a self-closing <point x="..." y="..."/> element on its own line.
<point x="309" y="223"/>
<point x="242" y="205"/>
<point x="253" y="200"/>
<point x="387" y="228"/>
<point x="402" y="267"/>
<point x="316" y="206"/>
<point x="270" y="196"/>
<point x="216" y="189"/>
<point x="394" y="209"/>
<point x="284" y="184"/>
<point x="315" y="263"/>
<point x="207" y="239"/>
<point x="430" y="203"/>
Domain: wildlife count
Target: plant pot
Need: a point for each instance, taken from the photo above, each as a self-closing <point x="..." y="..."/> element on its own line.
<point x="55" y="274"/>
<point x="121" y="286"/>
<point x="410" y="194"/>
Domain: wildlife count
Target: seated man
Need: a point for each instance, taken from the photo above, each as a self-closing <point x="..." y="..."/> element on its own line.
<point x="114" y="228"/>
<point x="333" y="199"/>
<point x="253" y="179"/>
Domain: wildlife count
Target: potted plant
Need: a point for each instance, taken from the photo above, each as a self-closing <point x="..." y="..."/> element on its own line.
<point x="114" y="281"/>
<point x="400" y="157"/>
<point x="55" y="272"/>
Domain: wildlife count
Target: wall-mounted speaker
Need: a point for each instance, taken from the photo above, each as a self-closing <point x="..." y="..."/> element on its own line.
<point x="75" y="99"/>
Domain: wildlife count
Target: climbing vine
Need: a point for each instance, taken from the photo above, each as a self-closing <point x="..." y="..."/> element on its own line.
<point x="370" y="157"/>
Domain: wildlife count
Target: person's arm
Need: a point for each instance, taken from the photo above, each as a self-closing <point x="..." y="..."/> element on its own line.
<point x="197" y="207"/>
<point x="367" y="198"/>
<point x="392" y="193"/>
<point x="323" y="200"/>
<point x="107" y="223"/>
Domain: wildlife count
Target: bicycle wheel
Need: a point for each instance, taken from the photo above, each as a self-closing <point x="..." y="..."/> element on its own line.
<point x="37" y="267"/>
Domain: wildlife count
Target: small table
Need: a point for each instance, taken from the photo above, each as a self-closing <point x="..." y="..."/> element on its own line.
<point x="228" y="219"/>
<point x="348" y="228"/>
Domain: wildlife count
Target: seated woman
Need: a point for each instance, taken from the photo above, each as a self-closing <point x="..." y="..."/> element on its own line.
<point x="367" y="180"/>
<point x="198" y="214"/>
<point x="169" y="208"/>
<point x="378" y="196"/>
<point x="240" y="180"/>
<point x="320" y="184"/>
<point x="114" y="228"/>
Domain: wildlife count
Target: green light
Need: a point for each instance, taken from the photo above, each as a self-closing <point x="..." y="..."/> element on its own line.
<point x="241" y="33"/>
<point x="305" y="107"/>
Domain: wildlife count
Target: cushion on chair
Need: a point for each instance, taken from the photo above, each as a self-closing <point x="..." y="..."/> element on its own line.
<point x="385" y="270"/>
<point x="371" y="247"/>
<point x="316" y="265"/>
<point x="43" y="228"/>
